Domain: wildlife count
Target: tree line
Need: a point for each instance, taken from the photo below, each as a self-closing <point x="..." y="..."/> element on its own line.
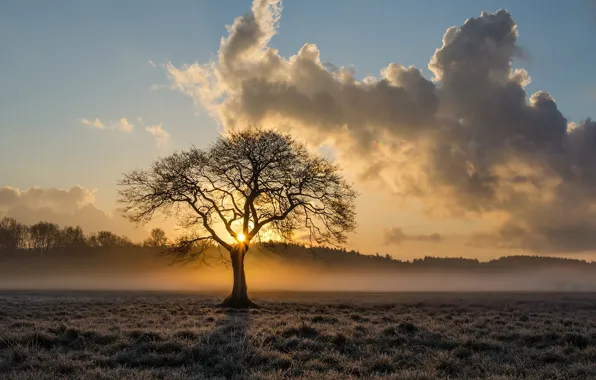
<point x="46" y="236"/>
<point x="344" y="256"/>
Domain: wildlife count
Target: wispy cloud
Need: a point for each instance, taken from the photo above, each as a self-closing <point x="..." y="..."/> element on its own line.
<point x="124" y="125"/>
<point x="396" y="235"/>
<point x="161" y="135"/>
<point x="121" y="125"/>
<point x="93" y="123"/>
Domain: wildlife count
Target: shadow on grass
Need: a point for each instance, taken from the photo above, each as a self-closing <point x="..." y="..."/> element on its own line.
<point x="229" y="349"/>
<point x="224" y="350"/>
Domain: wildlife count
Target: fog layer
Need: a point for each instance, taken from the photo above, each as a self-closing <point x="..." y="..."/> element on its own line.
<point x="289" y="271"/>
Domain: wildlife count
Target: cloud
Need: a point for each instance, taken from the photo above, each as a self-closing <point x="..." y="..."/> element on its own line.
<point x="395" y="235"/>
<point x="66" y="207"/>
<point x="121" y="125"/>
<point x="93" y="123"/>
<point x="161" y="136"/>
<point x="468" y="142"/>
<point x="65" y="200"/>
<point x="124" y="125"/>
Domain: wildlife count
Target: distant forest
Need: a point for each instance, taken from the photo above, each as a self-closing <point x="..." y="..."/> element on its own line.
<point x="50" y="240"/>
<point x="45" y="237"/>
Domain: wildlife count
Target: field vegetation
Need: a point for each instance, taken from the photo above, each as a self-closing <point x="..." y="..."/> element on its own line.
<point x="114" y="335"/>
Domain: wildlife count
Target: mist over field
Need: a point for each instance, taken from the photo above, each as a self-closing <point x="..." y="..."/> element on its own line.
<point x="294" y="269"/>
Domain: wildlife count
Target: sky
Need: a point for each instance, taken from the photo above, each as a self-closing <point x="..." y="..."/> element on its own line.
<point x="89" y="90"/>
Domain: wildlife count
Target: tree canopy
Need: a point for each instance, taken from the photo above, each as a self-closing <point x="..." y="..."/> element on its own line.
<point x="247" y="182"/>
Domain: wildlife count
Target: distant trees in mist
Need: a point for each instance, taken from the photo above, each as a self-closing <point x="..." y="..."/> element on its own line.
<point x="45" y="236"/>
<point x="343" y="258"/>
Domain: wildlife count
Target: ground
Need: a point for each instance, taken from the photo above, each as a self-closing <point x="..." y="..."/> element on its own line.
<point x="305" y="336"/>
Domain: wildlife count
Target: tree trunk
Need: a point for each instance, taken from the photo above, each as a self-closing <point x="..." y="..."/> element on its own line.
<point x="239" y="296"/>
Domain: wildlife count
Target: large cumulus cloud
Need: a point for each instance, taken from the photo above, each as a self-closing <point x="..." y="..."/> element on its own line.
<point x="468" y="141"/>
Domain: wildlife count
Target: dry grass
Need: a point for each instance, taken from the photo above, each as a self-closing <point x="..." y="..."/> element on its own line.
<point x="306" y="336"/>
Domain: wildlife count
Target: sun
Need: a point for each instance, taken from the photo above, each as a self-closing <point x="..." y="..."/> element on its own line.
<point x="241" y="237"/>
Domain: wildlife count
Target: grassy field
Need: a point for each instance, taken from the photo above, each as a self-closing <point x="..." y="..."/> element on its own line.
<point x="306" y="336"/>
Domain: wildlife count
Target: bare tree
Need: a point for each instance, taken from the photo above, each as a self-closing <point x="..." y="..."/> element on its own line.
<point x="12" y="234"/>
<point x="157" y="239"/>
<point x="71" y="237"/>
<point x="44" y="236"/>
<point x="108" y="239"/>
<point x="245" y="184"/>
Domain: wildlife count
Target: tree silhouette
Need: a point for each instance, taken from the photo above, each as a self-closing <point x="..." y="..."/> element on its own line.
<point x="245" y="184"/>
<point x="157" y="239"/>
<point x="44" y="235"/>
<point x="71" y="238"/>
<point x="12" y="234"/>
<point x="108" y="239"/>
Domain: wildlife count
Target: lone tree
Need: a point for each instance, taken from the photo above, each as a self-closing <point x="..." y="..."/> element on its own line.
<point x="246" y="183"/>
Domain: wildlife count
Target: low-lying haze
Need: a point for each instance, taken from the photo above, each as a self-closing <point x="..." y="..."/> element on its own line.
<point x="291" y="270"/>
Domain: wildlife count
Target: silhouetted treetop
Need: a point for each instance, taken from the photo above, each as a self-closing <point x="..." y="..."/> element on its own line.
<point x="246" y="181"/>
<point x="157" y="239"/>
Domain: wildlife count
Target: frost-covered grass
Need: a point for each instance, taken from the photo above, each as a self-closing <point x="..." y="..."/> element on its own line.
<point x="306" y="336"/>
